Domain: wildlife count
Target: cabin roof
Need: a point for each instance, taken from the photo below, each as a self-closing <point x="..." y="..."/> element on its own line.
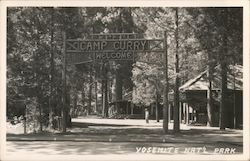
<point x="200" y="82"/>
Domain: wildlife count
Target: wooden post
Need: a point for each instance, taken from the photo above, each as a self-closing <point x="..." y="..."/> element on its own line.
<point x="169" y="112"/>
<point x="116" y="109"/>
<point x="96" y="97"/>
<point x="25" y="120"/>
<point x="147" y="115"/>
<point x="151" y="109"/>
<point x="127" y="108"/>
<point x="196" y="116"/>
<point x="193" y="114"/>
<point x="184" y="113"/>
<point x="234" y="106"/>
<point x="180" y="112"/>
<point x="165" y="95"/>
<point x="63" y="112"/>
<point x="187" y="111"/>
<point x="132" y="107"/>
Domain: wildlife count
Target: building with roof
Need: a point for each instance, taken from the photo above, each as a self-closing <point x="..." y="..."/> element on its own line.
<point x="194" y="97"/>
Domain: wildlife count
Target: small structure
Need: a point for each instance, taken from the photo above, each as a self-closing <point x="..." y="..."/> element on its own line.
<point x="195" y="91"/>
<point x="125" y="108"/>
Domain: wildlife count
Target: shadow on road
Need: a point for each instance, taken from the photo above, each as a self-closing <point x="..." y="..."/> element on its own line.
<point x="85" y="125"/>
<point x="120" y="139"/>
<point x="101" y="148"/>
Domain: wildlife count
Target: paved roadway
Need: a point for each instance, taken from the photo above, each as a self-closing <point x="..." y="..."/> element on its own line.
<point x="203" y="140"/>
<point x="19" y="148"/>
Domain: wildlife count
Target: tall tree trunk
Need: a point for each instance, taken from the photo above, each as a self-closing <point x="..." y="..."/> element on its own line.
<point x="67" y="110"/>
<point x="110" y="84"/>
<point x="223" y="63"/>
<point x="118" y="88"/>
<point x="113" y="89"/>
<point x="90" y="92"/>
<point x="147" y="115"/>
<point x="234" y="99"/>
<point x="64" y="86"/>
<point x="40" y="119"/>
<point x="102" y="102"/>
<point x="83" y="96"/>
<point x="157" y="107"/>
<point x="38" y="85"/>
<point x="209" y="105"/>
<point x="96" y="96"/>
<point x="107" y="89"/>
<point x="52" y="69"/>
<point x="105" y="92"/>
<point x="118" y="82"/>
<point x="177" y="79"/>
<point x="210" y="68"/>
<point x="106" y="97"/>
<point x="210" y="108"/>
<point x="166" y="113"/>
<point x="223" y="117"/>
<point x="75" y="98"/>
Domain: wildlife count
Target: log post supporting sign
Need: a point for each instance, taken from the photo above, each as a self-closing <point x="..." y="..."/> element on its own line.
<point x="64" y="93"/>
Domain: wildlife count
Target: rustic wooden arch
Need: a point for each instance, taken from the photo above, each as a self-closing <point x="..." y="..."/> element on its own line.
<point x="111" y="46"/>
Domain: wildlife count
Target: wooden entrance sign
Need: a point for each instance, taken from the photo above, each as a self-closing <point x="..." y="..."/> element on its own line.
<point x="113" y="46"/>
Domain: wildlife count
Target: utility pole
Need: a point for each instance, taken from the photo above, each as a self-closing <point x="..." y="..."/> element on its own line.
<point x="166" y="89"/>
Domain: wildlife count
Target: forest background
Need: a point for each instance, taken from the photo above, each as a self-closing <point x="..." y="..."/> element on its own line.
<point x="198" y="39"/>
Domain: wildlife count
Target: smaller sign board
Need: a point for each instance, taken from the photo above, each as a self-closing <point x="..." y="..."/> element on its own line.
<point x="119" y="55"/>
<point x="82" y="57"/>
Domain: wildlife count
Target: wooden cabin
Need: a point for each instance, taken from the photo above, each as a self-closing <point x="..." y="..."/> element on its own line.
<point x="195" y="97"/>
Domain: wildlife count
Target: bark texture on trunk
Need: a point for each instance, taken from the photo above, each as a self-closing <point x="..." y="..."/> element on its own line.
<point x="166" y="89"/>
<point x="210" y="108"/>
<point x="223" y="63"/>
<point x="177" y="79"/>
<point x="157" y="108"/>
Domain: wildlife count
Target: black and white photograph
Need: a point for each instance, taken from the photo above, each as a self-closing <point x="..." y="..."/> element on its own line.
<point x="125" y="82"/>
